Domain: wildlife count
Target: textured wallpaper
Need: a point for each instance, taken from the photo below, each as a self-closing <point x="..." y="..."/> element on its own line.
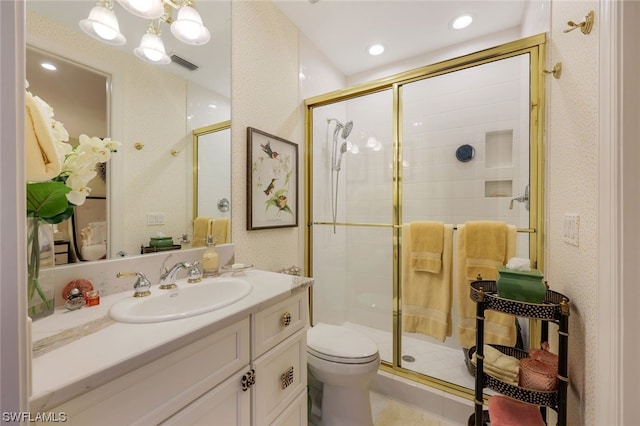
<point x="571" y="187"/>
<point x="264" y="65"/>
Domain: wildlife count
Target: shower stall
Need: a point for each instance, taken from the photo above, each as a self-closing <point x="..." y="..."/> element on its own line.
<point x="455" y="141"/>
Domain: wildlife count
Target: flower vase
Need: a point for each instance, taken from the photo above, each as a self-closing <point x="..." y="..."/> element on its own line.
<point x="40" y="260"/>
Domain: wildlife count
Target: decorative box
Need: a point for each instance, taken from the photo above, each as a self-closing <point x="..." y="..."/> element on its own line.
<point x="537" y="375"/>
<point x="521" y="286"/>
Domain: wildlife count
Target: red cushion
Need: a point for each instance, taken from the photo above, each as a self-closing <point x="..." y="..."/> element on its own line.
<point x="504" y="411"/>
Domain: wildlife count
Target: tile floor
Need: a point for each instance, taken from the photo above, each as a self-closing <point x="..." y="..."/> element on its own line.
<point x="389" y="412"/>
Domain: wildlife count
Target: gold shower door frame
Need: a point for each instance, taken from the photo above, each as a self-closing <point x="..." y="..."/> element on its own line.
<point x="534" y="46"/>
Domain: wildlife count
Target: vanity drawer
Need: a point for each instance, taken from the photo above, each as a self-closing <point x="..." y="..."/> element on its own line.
<point x="277" y="322"/>
<point x="281" y="374"/>
<point x="155" y="391"/>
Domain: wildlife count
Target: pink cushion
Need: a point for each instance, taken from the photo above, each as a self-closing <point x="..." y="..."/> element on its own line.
<point x="504" y="411"/>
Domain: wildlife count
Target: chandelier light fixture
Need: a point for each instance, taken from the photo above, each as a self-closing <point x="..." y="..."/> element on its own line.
<point x="187" y="27"/>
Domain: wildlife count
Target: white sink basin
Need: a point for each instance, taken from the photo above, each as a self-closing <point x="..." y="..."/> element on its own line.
<point x="185" y="301"/>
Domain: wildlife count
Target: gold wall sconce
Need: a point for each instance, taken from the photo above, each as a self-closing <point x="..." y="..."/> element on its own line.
<point x="556" y="71"/>
<point x="585" y="26"/>
<point x="138" y="146"/>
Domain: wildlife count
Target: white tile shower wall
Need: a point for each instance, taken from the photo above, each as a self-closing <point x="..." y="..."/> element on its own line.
<point x="461" y="108"/>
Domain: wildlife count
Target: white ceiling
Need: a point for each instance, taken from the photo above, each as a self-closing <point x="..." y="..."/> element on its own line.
<point x="341" y="29"/>
<point x="344" y="29"/>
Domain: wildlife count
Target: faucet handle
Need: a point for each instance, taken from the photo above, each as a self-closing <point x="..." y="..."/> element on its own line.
<point x="142" y="284"/>
<point x="195" y="273"/>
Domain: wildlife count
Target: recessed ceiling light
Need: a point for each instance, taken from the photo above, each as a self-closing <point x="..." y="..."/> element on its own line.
<point x="462" y="21"/>
<point x="48" y="66"/>
<point x="376" y="49"/>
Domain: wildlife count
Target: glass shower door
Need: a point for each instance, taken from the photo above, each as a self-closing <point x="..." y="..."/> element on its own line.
<point x="465" y="156"/>
<point x="352" y="222"/>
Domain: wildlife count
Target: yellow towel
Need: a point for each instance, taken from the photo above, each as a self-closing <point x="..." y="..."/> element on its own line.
<point x="501" y="366"/>
<point x="485" y="246"/>
<point x="201" y="230"/>
<point x="486" y="242"/>
<point x="426" y="246"/>
<point x="220" y="229"/>
<point x="43" y="161"/>
<point x="427" y="297"/>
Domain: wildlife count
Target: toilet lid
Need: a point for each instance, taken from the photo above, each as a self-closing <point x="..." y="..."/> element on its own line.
<point x="340" y="344"/>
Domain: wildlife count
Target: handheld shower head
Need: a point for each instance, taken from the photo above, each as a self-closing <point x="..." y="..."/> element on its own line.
<point x="343" y="149"/>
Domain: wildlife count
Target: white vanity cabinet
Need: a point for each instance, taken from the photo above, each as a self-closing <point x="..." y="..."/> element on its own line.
<point x="252" y="372"/>
<point x="279" y="358"/>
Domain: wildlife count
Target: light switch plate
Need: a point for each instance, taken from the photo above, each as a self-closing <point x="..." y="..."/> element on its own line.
<point x="571" y="229"/>
<point x="155" y="219"/>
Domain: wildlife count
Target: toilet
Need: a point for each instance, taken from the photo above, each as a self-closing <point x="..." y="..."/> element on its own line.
<point x="343" y="361"/>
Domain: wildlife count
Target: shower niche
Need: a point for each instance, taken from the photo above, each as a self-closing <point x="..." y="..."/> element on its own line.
<point x="399" y="164"/>
<point x="499" y="149"/>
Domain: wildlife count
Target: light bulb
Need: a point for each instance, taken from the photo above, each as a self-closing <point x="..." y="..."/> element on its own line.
<point x="148" y="9"/>
<point x="188" y="27"/>
<point x="151" y="49"/>
<point x="461" y="22"/>
<point x="102" y="24"/>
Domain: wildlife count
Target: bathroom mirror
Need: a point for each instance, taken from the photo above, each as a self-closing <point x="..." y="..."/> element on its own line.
<point x="212" y="170"/>
<point x="152" y="110"/>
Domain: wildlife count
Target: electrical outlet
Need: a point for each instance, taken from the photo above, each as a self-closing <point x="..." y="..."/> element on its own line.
<point x="154" y="219"/>
<point x="571" y="229"/>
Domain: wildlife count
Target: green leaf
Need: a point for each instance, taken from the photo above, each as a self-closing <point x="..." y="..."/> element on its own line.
<point x="48" y="200"/>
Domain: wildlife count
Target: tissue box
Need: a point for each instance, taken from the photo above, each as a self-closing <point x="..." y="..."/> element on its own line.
<point x="161" y="242"/>
<point x="521" y="286"/>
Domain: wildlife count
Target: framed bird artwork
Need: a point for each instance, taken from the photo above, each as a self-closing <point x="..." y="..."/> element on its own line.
<point x="272" y="181"/>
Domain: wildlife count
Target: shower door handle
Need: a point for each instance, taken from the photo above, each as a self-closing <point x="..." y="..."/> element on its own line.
<point x="523" y="198"/>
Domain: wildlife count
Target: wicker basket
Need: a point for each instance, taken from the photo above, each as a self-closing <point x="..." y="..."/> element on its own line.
<point x="543" y="355"/>
<point x="538" y="375"/>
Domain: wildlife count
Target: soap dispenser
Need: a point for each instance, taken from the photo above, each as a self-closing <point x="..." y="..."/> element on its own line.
<point x="210" y="259"/>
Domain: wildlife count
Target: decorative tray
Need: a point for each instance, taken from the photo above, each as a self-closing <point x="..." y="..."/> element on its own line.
<point x="552" y="308"/>
<point x="236" y="269"/>
<point x="545" y="398"/>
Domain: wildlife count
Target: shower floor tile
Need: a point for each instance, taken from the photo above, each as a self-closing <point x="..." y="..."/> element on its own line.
<point x="431" y="359"/>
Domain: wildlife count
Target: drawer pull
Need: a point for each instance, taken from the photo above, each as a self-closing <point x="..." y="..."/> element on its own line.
<point x="248" y="380"/>
<point x="285" y="320"/>
<point x="287" y="378"/>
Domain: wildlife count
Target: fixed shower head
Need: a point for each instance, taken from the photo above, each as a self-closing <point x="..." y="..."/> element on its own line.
<point x="346" y="128"/>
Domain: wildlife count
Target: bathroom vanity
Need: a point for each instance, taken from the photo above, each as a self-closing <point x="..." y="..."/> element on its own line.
<point x="243" y="364"/>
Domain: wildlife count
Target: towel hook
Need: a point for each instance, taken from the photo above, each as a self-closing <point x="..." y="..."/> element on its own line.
<point x="585" y="26"/>
<point x="556" y="71"/>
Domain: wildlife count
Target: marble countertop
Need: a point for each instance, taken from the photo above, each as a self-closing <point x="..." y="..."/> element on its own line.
<point x="76" y="351"/>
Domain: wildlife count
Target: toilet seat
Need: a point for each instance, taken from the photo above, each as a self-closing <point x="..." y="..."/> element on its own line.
<point x="341" y="345"/>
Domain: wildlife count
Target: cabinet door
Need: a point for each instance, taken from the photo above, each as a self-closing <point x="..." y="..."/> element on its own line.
<point x="295" y="414"/>
<point x="157" y="390"/>
<point x="281" y="375"/>
<point x="225" y="405"/>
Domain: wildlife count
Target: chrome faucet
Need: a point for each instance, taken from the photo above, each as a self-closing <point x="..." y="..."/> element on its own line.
<point x="168" y="277"/>
<point x="522" y="198"/>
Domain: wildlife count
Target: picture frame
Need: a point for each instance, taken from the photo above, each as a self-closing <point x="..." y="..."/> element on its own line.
<point x="272" y="181"/>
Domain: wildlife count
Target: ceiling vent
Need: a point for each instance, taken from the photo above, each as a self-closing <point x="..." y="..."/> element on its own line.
<point x="183" y="62"/>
